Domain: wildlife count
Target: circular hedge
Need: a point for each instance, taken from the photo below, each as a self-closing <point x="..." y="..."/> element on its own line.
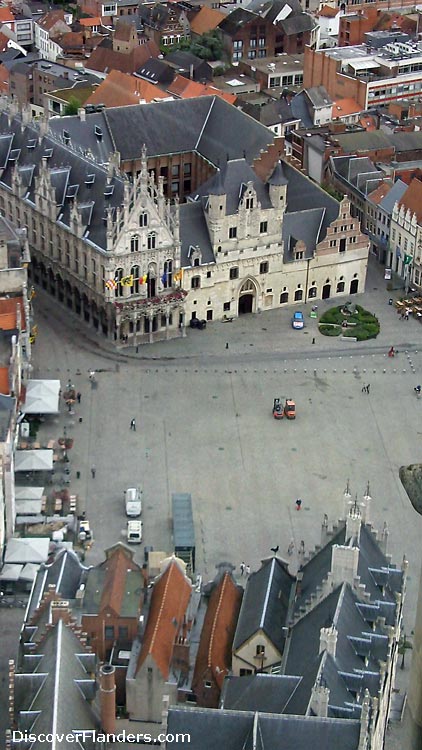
<point x="349" y="320"/>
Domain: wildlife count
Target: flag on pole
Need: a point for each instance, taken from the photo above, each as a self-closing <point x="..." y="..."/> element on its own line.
<point x="164" y="278"/>
<point x="407" y="259"/>
<point x="143" y="279"/>
<point x="178" y="276"/>
<point x="111" y="284"/>
<point x="127" y="280"/>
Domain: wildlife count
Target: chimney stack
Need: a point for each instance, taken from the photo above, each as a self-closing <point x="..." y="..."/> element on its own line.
<point x="108" y="698"/>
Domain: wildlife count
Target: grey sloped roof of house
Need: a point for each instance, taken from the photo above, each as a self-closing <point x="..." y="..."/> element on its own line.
<point x="231" y="180"/>
<point x="395" y="194"/>
<point x="303" y="193"/>
<point x="300" y="108"/>
<point x="68" y="167"/>
<point x="60" y="691"/>
<point x="363" y="140"/>
<point x="315" y="571"/>
<point x="406" y="141"/>
<point x="340" y="704"/>
<point x="265" y="603"/>
<point x="258" y="692"/>
<point x="382" y="579"/>
<point x="212" y="729"/>
<point x="297" y="24"/>
<point x="302" y="226"/>
<point x="193" y="232"/>
<point x="235" y="20"/>
<point x="7" y="408"/>
<point x="319" y="96"/>
<point x="207" y="125"/>
<point x="66" y="573"/>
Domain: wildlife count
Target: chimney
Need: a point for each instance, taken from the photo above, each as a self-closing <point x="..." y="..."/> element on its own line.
<point x="191" y="71"/>
<point x="344" y="564"/>
<point x="108" y="699"/>
<point x="328" y="640"/>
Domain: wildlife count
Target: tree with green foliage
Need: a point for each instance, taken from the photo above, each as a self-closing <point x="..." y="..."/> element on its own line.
<point x="72" y="106"/>
<point x="209" y="46"/>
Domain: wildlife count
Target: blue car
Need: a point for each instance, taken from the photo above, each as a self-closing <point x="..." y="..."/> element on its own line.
<point x="297" y="320"/>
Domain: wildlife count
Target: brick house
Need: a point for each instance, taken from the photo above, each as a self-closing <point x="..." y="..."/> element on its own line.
<point x="164" y="649"/>
<point x="266" y="30"/>
<point x="49" y="26"/>
<point x="165" y="23"/>
<point x="213" y="660"/>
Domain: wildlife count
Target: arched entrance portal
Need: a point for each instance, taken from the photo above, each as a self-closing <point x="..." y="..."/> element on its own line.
<point x="354" y="286"/>
<point x="247" y="297"/>
<point x="326" y="291"/>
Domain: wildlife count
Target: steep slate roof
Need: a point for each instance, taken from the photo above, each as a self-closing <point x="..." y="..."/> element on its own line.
<point x="363" y="141"/>
<point x="381" y="578"/>
<point x="315" y="570"/>
<point x="396" y="192"/>
<point x="302" y="226"/>
<point x="68" y="167"/>
<point x="213" y="729"/>
<point x="412" y="199"/>
<point x="214" y="652"/>
<point x="194" y="232"/>
<point x="65" y="573"/>
<point x="265" y="604"/>
<point x="301" y="192"/>
<point x="235" y="20"/>
<point x="231" y="180"/>
<point x="56" y="687"/>
<point x="169" y="601"/>
<point x="258" y="692"/>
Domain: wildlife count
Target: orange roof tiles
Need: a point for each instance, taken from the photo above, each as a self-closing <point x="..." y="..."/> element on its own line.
<point x="105" y="59"/>
<point x="4" y="40"/>
<point x="47" y="22"/>
<point x="90" y="21"/>
<point x="214" y="652"/>
<point x="9" y="314"/>
<point x="169" y="601"/>
<point x="206" y="20"/>
<point x="344" y="107"/>
<point x="380" y="192"/>
<point x="116" y="566"/>
<point x="328" y="12"/>
<point x="412" y="199"/>
<point x="6" y="16"/>
<point x="4" y="381"/>
<point x="120" y="89"/>
<point x="184" y="88"/>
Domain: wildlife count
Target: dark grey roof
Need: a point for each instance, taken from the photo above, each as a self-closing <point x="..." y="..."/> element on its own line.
<point x="278" y="176"/>
<point x="315" y="571"/>
<point x="300" y="108"/>
<point x="7" y="405"/>
<point x="297" y="24"/>
<point x="194" y="232"/>
<point x="395" y="194"/>
<point x="235" y="20"/>
<point x="68" y="167"/>
<point x="156" y="71"/>
<point x="381" y="578"/>
<point x="56" y="688"/>
<point x="406" y="141"/>
<point x="319" y="96"/>
<point x="212" y="729"/>
<point x="302" y="226"/>
<point x="265" y="604"/>
<point x="206" y="125"/>
<point x="258" y="692"/>
<point x="232" y="179"/>
<point x="304" y="193"/>
<point x="66" y="573"/>
<point x="363" y="140"/>
<point x="272" y="113"/>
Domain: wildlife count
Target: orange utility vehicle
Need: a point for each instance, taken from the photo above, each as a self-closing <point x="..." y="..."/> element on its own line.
<point x="288" y="410"/>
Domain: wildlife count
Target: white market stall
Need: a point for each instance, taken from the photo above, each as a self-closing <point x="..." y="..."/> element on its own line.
<point x="34" y="460"/>
<point x="42" y="397"/>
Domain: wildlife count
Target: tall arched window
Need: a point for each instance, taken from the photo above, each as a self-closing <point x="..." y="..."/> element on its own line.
<point x="134" y="244"/>
<point x="117" y="277"/>
<point x="134" y="289"/>
<point x="168" y="274"/>
<point x="298" y="295"/>
<point x="151" y="241"/>
<point x="152" y="280"/>
<point x="143" y="219"/>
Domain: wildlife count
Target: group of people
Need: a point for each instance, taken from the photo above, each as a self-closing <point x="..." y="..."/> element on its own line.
<point x="245" y="569"/>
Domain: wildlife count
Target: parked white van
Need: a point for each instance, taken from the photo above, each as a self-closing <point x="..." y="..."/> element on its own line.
<point x="133" y="500"/>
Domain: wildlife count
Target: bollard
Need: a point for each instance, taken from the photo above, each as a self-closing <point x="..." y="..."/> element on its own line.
<point x="80" y="420"/>
<point x="78" y="475"/>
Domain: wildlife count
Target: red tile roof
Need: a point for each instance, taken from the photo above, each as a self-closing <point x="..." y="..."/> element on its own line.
<point x="169" y="601"/>
<point x="328" y="12"/>
<point x="4" y="381"/>
<point x="105" y="59"/>
<point x="380" y="192"/>
<point x="9" y="314"/>
<point x="6" y="16"/>
<point x="4" y="40"/>
<point x="90" y="21"/>
<point x="184" y="88"/>
<point x="47" y="22"/>
<point x="214" y="652"/>
<point x="116" y="566"/>
<point x="120" y="89"/>
<point x="344" y="107"/>
<point x="206" y="20"/>
<point x="412" y="199"/>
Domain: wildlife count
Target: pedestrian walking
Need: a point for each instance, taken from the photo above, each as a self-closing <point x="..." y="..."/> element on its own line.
<point x="368" y="387"/>
<point x="242" y="568"/>
<point x="93" y="471"/>
<point x="133" y="425"/>
<point x="364" y="389"/>
<point x="248" y="570"/>
<point x="302" y="548"/>
<point x="298" y="504"/>
<point x="325" y="519"/>
<point x="227" y="344"/>
<point x="78" y="397"/>
<point x="313" y="340"/>
<point x="290" y="548"/>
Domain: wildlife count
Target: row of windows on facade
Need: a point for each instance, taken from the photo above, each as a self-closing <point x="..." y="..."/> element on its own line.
<point x="263" y="226"/>
<point x="402" y="241"/>
<point x="233" y="273"/>
<point x="284" y="296"/>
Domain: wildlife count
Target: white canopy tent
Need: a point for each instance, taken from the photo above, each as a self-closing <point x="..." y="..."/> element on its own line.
<point x="10" y="572"/>
<point x="42" y="397"/>
<point x="29" y="493"/>
<point x="27" y="550"/>
<point x="28" y="507"/>
<point x="34" y="460"/>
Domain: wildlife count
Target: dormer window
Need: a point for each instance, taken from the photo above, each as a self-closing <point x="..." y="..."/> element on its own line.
<point x="249" y="203"/>
<point x="143" y="219"/>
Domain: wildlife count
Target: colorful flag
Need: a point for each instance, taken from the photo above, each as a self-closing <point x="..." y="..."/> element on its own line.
<point x="178" y="276"/>
<point x="407" y="259"/>
<point x="127" y="280"/>
<point x="32" y="293"/>
<point x="143" y="279"/>
<point x="164" y="277"/>
<point x="111" y="284"/>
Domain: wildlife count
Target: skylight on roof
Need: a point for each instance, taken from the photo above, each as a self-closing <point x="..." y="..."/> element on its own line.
<point x="90" y="179"/>
<point x="32" y="143"/>
<point x="48" y="153"/>
<point x="108" y="191"/>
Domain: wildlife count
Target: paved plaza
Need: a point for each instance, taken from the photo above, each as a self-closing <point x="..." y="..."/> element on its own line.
<point x="205" y="426"/>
